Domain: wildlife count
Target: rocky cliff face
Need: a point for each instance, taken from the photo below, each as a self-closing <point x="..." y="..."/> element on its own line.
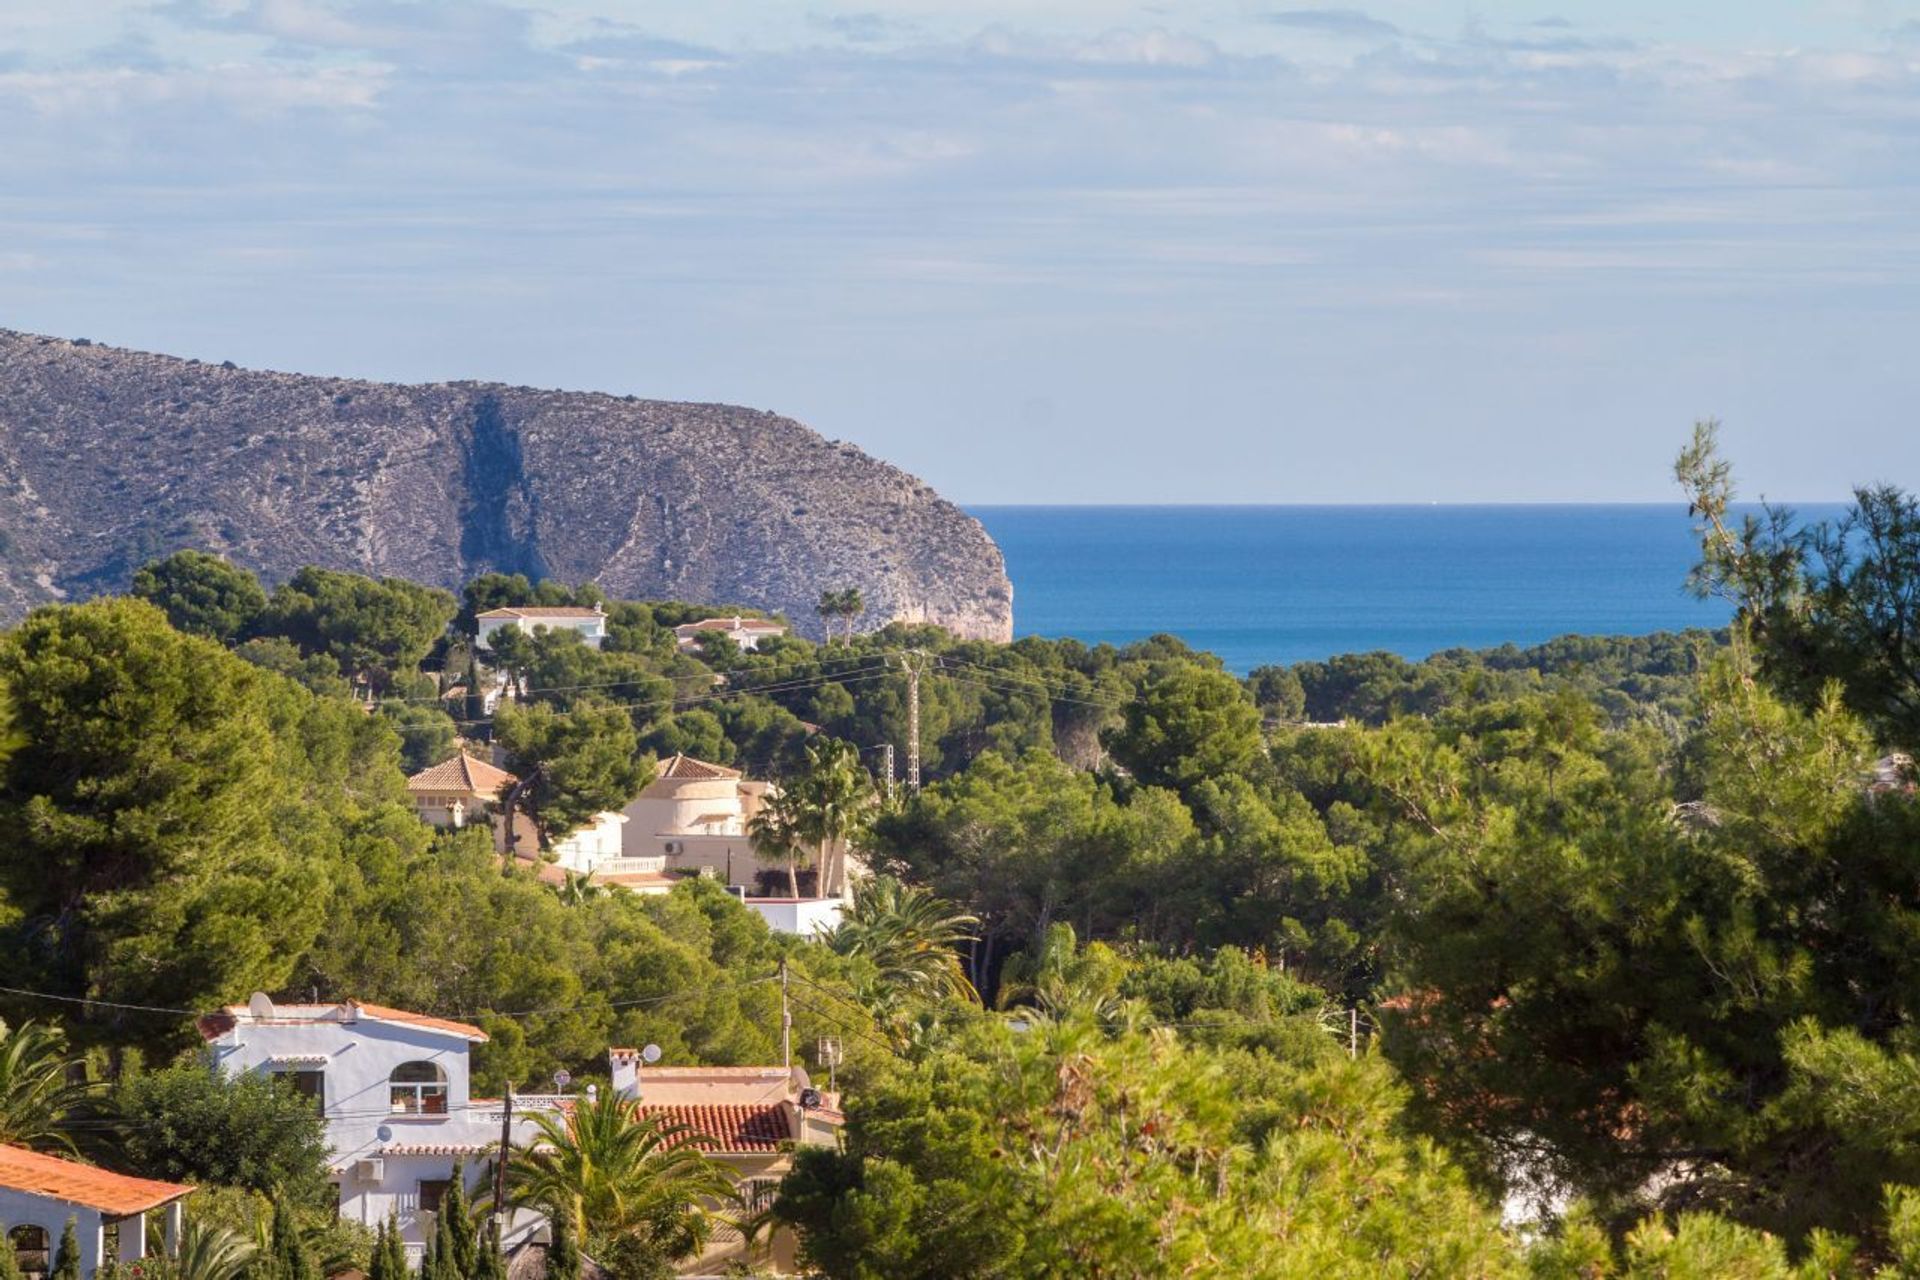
<point x="109" y="458"/>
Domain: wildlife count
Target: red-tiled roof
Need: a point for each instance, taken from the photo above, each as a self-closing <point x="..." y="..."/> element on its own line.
<point x="730" y="624"/>
<point x="75" y="1183"/>
<point x="536" y="611"/>
<point x="216" y="1024"/>
<point x="761" y="1127"/>
<point x="436" y="1148"/>
<point x="462" y="773"/>
<point x="384" y="1014"/>
<point x="686" y="767"/>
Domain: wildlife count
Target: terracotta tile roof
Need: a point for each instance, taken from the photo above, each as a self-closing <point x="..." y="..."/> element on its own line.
<point x="686" y="767"/>
<point x="462" y="773"/>
<point x="57" y="1179"/>
<point x="721" y="1128"/>
<point x="436" y="1148"/>
<point x="220" y="1021"/>
<point x="383" y="1014"/>
<point x="543" y="611"/>
<point x="730" y="624"/>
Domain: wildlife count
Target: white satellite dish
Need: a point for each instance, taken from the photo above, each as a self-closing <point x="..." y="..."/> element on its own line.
<point x="260" y="1005"/>
<point x="800" y="1078"/>
<point x="650" y="1054"/>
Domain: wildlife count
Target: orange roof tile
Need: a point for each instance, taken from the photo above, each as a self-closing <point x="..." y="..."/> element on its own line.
<point x="462" y="773"/>
<point x="543" y="611"/>
<point x="383" y="1014"/>
<point x="685" y="766"/>
<point x="68" y="1180"/>
<point x="725" y="1128"/>
<point x="731" y="624"/>
<point x="216" y="1024"/>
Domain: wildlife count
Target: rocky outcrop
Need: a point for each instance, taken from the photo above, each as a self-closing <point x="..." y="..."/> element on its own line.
<point x="110" y="457"/>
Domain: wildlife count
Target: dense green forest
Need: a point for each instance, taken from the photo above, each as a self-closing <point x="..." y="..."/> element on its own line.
<point x="1597" y="958"/>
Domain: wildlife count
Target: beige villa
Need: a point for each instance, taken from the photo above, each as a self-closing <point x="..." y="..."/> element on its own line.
<point x="694" y="815"/>
<point x="750" y="1119"/>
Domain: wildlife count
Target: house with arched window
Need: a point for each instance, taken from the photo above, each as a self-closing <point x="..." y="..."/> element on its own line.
<point x="394" y="1089"/>
<point x="40" y="1193"/>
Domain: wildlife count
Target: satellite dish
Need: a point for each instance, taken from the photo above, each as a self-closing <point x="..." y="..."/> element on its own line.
<point x="260" y="1005"/>
<point x="562" y="1078"/>
<point x="384" y="1133"/>
<point x="650" y="1054"/>
<point x="809" y="1099"/>
<point x="801" y="1080"/>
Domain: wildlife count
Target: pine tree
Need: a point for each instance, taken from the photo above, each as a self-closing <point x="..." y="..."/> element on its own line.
<point x="458" y="1215"/>
<point x="66" y="1262"/>
<point x="563" y="1255"/>
<point x="9" y="1261"/>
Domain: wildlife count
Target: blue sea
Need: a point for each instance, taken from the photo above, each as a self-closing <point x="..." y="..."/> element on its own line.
<point x="1283" y="584"/>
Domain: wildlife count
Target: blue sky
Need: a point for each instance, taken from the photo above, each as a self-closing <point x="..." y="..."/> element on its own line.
<point x="1078" y="250"/>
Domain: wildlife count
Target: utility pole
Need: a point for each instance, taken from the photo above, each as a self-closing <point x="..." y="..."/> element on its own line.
<point x="1353" y="1032"/>
<point x="786" y="1022"/>
<point x="500" y="1168"/>
<point x="886" y="769"/>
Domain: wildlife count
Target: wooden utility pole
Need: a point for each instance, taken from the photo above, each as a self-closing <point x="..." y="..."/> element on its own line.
<point x="500" y="1167"/>
<point x="786" y="1022"/>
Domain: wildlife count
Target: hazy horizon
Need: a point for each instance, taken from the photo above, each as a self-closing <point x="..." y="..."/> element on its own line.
<point x="1082" y="251"/>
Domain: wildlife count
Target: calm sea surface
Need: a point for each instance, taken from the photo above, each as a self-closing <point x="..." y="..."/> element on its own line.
<point x="1282" y="584"/>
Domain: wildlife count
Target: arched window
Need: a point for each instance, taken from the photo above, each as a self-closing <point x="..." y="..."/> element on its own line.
<point x="30" y="1251"/>
<point x="419" y="1089"/>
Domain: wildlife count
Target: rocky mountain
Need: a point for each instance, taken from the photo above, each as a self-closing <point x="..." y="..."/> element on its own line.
<point x="111" y="457"/>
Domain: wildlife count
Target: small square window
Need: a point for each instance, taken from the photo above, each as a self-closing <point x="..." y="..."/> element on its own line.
<point x="432" y="1192"/>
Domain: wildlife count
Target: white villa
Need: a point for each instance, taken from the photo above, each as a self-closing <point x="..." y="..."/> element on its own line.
<point x="463" y="789"/>
<point x="393" y="1087"/>
<point x="746" y="633"/>
<point x="695" y="815"/>
<point x="39" y="1193"/>
<point x="590" y="624"/>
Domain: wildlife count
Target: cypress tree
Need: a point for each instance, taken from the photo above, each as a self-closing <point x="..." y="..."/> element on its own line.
<point x="563" y="1255"/>
<point x="9" y="1261"/>
<point x="291" y="1260"/>
<point x="490" y="1265"/>
<point x="396" y="1249"/>
<point x="377" y="1263"/>
<point x="458" y="1215"/>
<point x="66" y="1262"/>
<point x="443" y="1262"/>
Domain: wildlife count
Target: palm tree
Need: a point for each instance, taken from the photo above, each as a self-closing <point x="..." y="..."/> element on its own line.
<point x="208" y="1252"/>
<point x="40" y="1086"/>
<point x="617" y="1171"/>
<point x="912" y="937"/>
<point x="833" y="806"/>
<point x="846" y="605"/>
<point x="775" y="834"/>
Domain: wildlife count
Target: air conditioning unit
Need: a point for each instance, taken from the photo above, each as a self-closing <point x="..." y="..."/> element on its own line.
<point x="370" y="1170"/>
<point x="674" y="846"/>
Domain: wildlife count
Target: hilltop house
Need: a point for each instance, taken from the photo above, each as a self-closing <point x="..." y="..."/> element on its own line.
<point x="39" y="1192"/>
<point x="694" y="816"/>
<point x="589" y="624"/>
<point x="393" y="1087"/>
<point x="458" y="790"/>
<point x="746" y="633"/>
<point x="749" y="1118"/>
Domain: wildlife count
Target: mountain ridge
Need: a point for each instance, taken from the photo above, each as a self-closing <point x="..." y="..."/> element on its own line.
<point x="109" y="457"/>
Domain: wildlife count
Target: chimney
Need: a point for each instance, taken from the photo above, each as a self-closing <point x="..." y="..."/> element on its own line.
<point x="626" y="1071"/>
